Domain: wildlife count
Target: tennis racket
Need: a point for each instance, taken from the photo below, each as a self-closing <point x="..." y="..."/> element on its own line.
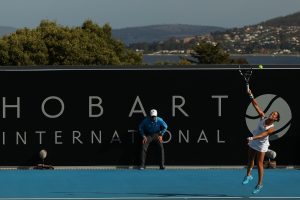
<point x="246" y="73"/>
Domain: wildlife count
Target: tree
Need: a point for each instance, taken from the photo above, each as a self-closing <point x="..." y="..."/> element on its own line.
<point x="53" y="44"/>
<point x="209" y="53"/>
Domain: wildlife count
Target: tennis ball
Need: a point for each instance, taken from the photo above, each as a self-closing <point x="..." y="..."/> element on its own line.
<point x="260" y="66"/>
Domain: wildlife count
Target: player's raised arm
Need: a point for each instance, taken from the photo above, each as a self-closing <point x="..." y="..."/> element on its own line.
<point x="255" y="104"/>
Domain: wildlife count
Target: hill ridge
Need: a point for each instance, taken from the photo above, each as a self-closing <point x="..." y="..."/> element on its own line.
<point x="161" y="32"/>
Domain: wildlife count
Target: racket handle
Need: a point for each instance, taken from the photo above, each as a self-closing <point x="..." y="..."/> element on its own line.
<point x="247" y="87"/>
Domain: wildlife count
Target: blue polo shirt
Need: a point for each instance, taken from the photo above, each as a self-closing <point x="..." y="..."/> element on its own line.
<point x="149" y="127"/>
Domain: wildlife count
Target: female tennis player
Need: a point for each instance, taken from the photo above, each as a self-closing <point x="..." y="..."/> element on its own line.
<point x="259" y="143"/>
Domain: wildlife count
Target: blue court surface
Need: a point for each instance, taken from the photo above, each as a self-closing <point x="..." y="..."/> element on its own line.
<point x="146" y="184"/>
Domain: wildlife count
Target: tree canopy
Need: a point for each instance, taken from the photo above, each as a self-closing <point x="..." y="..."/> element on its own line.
<point x="53" y="44"/>
<point x="207" y="53"/>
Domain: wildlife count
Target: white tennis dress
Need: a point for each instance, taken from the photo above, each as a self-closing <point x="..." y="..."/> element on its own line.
<point x="261" y="144"/>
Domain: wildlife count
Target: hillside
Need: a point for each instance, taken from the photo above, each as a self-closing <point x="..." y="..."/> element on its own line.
<point x="276" y="36"/>
<point x="280" y="35"/>
<point x="6" y="30"/>
<point x="289" y="20"/>
<point x="161" y="32"/>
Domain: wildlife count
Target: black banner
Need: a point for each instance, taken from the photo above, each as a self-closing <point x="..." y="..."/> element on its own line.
<point x="90" y="116"/>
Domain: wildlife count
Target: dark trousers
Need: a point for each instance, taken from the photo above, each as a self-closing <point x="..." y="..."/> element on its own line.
<point x="153" y="139"/>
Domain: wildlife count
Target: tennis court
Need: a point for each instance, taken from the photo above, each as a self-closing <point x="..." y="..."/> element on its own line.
<point x="145" y="184"/>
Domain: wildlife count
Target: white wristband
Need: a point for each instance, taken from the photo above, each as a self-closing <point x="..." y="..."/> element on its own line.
<point x="250" y="138"/>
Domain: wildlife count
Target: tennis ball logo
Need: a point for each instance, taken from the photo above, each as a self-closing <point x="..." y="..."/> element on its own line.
<point x="269" y="103"/>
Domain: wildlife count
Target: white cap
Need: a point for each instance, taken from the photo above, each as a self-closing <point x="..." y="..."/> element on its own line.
<point x="153" y="113"/>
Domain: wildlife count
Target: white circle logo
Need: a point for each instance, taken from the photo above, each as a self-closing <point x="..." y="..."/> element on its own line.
<point x="269" y="103"/>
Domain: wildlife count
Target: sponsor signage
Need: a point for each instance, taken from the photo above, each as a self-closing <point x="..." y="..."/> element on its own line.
<point x="90" y="116"/>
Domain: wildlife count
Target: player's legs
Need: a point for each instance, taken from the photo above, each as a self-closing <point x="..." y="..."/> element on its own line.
<point x="251" y="158"/>
<point x="260" y="167"/>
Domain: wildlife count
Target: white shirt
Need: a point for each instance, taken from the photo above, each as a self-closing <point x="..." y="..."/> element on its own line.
<point x="261" y="144"/>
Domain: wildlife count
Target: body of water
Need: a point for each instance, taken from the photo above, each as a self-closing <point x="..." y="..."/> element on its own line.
<point x="265" y="60"/>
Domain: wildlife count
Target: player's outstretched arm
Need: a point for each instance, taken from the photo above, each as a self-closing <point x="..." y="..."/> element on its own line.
<point x="262" y="134"/>
<point x="255" y="104"/>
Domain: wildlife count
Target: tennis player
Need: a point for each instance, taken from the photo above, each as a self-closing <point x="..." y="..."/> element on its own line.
<point x="259" y="143"/>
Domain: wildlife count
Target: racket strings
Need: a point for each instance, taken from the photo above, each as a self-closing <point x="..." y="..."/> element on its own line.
<point x="246" y="74"/>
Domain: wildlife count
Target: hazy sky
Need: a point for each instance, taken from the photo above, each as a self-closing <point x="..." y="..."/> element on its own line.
<point x="130" y="13"/>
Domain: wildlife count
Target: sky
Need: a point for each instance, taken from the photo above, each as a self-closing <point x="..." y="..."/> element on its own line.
<point x="132" y="13"/>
